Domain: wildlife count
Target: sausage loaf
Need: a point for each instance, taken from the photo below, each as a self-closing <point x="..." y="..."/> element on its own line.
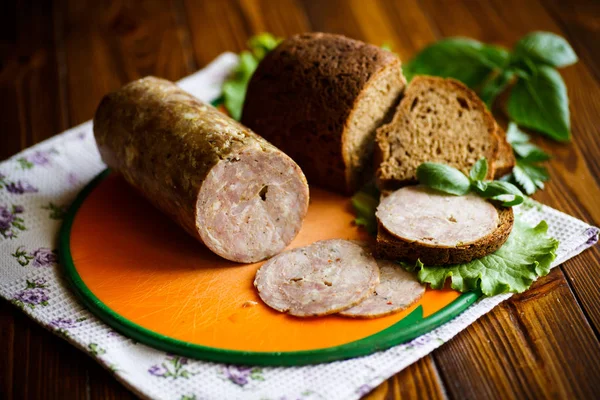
<point x="225" y="185"/>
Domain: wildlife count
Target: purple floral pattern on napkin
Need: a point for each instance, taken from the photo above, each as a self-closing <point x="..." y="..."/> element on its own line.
<point x="16" y="187"/>
<point x="42" y="257"/>
<point x="241" y="375"/>
<point x="173" y="367"/>
<point x="11" y="222"/>
<point x="34" y="295"/>
<point x="62" y="325"/>
<point x="39" y="158"/>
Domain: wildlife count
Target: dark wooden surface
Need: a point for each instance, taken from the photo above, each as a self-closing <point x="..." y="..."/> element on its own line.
<point x="58" y="58"/>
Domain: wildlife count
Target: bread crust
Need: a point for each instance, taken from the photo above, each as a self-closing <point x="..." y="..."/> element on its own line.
<point x="386" y="177"/>
<point x="301" y="98"/>
<point x="393" y="248"/>
<point x="505" y="161"/>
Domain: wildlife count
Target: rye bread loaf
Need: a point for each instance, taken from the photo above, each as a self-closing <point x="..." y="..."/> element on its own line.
<point x="505" y="160"/>
<point x="438" y="120"/>
<point x="391" y="246"/>
<point x="319" y="98"/>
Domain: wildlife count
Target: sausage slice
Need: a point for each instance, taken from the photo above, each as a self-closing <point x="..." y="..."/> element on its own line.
<point x="320" y="279"/>
<point x="421" y="215"/>
<point x="225" y="185"/>
<point x="398" y="289"/>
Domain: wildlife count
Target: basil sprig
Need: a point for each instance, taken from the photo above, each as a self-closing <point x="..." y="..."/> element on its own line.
<point x="529" y="174"/>
<point x="446" y="179"/>
<point x="538" y="99"/>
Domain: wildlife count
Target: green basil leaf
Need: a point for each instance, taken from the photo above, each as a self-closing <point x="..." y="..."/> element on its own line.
<point x="541" y="103"/>
<point x="494" y="87"/>
<point x="479" y="170"/>
<point x="498" y="188"/>
<point x="530" y="152"/>
<point x="547" y="48"/>
<point x="515" y="135"/>
<point x="509" y="200"/>
<point x="519" y="141"/>
<point x="530" y="177"/>
<point x="466" y="60"/>
<point x="479" y="186"/>
<point x="443" y="178"/>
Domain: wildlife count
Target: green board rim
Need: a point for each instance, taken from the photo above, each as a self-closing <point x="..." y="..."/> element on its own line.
<point x="410" y="327"/>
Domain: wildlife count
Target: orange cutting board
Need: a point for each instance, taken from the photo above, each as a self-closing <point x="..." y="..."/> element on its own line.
<point x="143" y="275"/>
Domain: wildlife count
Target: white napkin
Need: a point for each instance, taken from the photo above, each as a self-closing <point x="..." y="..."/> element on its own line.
<point x="38" y="184"/>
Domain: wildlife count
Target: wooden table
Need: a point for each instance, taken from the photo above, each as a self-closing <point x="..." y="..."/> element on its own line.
<point x="57" y="60"/>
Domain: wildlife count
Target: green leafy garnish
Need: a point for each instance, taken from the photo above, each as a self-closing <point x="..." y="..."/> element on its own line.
<point x="443" y="178"/>
<point x="365" y="204"/>
<point x="526" y="255"/>
<point x="546" y="48"/>
<point x="460" y="58"/>
<point x="530" y="176"/>
<point x="446" y="179"/>
<point x="539" y="98"/>
<point x="527" y="173"/>
<point x="541" y="103"/>
<point x="521" y="145"/>
<point x="479" y="170"/>
<point x="234" y="88"/>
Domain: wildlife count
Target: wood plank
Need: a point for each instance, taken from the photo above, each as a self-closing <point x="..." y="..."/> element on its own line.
<point x="525" y="348"/>
<point x="583" y="275"/>
<point x="418" y="381"/>
<point x="29" y="87"/>
<point x="44" y="366"/>
<point x="107" y="46"/>
<point x="579" y="19"/>
<point x="403" y="25"/>
<point x="227" y="25"/>
<point x="7" y="349"/>
<point x="523" y="365"/>
<point x="575" y="169"/>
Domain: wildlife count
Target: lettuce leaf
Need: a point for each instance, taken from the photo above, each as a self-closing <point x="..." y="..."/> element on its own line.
<point x="365" y="203"/>
<point x="526" y="255"/>
<point x="234" y="88"/>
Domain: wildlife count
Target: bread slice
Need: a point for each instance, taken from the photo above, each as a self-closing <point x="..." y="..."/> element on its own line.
<point x="320" y="97"/>
<point x="505" y="160"/>
<point x="438" y="120"/>
<point x="393" y="248"/>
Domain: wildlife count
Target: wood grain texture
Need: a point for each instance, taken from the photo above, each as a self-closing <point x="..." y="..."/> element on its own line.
<point x="519" y="351"/>
<point x="58" y="59"/>
<point x="580" y="21"/>
<point x="218" y="26"/>
<point x="419" y="381"/>
<point x="547" y="322"/>
<point x="108" y="46"/>
<point x="30" y="98"/>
